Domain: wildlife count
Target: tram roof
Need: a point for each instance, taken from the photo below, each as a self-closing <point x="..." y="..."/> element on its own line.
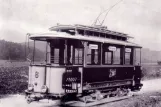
<point x="62" y="35"/>
<point x="100" y="29"/>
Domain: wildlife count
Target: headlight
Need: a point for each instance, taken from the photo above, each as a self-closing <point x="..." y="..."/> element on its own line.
<point x="44" y="89"/>
<point x="30" y="87"/>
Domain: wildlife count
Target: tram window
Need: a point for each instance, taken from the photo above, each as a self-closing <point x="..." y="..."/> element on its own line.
<point x="92" y="55"/>
<point x="89" y="56"/>
<point x="78" y="57"/>
<point x="111" y="54"/>
<point x="38" y="56"/>
<point x="48" y="53"/>
<point x="95" y="56"/>
<point x="70" y="54"/>
<point x="74" y="52"/>
<point x="127" y="58"/>
<point x="55" y="55"/>
<point x="117" y="56"/>
<point x="108" y="58"/>
<point x="137" y="56"/>
<point x="57" y="52"/>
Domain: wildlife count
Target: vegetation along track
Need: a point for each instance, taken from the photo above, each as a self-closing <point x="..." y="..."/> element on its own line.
<point x="13" y="79"/>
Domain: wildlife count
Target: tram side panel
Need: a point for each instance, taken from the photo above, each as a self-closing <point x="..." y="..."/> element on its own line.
<point x="107" y="74"/>
<point x="61" y="80"/>
<point x="111" y="74"/>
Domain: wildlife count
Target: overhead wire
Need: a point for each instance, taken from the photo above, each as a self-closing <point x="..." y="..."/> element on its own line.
<point x="108" y="10"/>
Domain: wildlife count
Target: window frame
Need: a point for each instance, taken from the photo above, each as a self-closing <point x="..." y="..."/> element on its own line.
<point x="131" y="62"/>
<point x="69" y="46"/>
<point x="105" y="48"/>
<point x="135" y="56"/>
<point x="113" y="58"/>
<point x="104" y="58"/>
<point x="80" y="57"/>
<point x="94" y="52"/>
<point x="61" y="54"/>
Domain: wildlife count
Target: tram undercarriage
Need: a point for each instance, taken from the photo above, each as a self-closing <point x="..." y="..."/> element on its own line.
<point x="91" y="96"/>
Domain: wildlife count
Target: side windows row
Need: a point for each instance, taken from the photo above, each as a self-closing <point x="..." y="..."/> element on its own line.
<point x="110" y="55"/>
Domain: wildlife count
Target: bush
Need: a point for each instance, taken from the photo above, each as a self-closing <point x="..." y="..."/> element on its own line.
<point x="150" y="72"/>
<point x="13" y="79"/>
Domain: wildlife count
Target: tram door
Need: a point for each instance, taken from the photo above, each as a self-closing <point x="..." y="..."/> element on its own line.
<point x="74" y="63"/>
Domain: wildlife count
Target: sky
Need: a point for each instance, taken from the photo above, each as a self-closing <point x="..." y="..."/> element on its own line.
<point x="138" y="18"/>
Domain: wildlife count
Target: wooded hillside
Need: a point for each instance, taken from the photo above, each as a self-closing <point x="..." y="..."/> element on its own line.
<point x="17" y="51"/>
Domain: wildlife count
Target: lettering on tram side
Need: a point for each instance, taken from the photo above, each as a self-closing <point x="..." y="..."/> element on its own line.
<point x="112" y="73"/>
<point x="128" y="50"/>
<point x="112" y="48"/>
<point x="93" y="46"/>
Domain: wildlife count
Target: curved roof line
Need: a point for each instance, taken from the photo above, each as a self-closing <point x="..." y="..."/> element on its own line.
<point x="60" y="35"/>
<point x="100" y="29"/>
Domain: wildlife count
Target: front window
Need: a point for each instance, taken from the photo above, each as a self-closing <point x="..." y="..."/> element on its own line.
<point x="68" y="52"/>
<point x="36" y="54"/>
<point x="57" y="48"/>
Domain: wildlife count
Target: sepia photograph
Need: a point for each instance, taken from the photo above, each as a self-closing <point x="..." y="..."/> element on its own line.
<point x="80" y="53"/>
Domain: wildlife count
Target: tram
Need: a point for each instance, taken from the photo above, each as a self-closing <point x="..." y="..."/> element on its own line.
<point x="84" y="61"/>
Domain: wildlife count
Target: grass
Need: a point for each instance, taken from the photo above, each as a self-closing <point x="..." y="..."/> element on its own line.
<point x="143" y="100"/>
<point x="13" y="79"/>
<point x="151" y="72"/>
<point x="147" y="100"/>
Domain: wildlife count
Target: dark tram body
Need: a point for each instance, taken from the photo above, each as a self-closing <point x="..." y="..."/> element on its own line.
<point x="81" y="60"/>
